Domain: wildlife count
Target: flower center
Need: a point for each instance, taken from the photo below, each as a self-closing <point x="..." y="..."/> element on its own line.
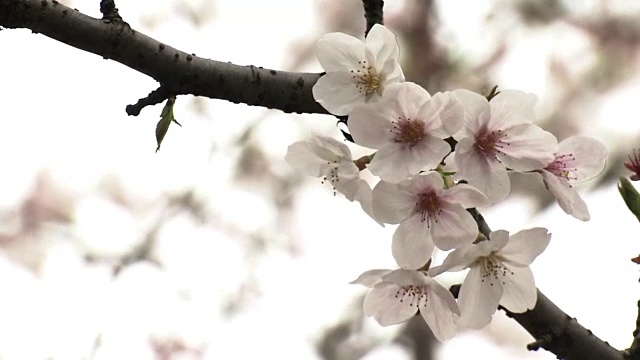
<point x="412" y="293"/>
<point x="408" y="131"/>
<point x="332" y="177"/>
<point x="489" y="142"/>
<point x="563" y="166"/>
<point x="366" y="78"/>
<point x="493" y="270"/>
<point x="428" y="206"/>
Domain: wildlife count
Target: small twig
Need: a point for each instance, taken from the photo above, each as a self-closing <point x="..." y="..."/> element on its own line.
<point x="372" y="13"/>
<point x="633" y="352"/>
<point x="110" y="11"/>
<point x="155" y="97"/>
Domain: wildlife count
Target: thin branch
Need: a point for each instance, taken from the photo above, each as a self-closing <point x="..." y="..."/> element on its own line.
<point x="372" y="13"/>
<point x="177" y="71"/>
<point x="633" y="352"/>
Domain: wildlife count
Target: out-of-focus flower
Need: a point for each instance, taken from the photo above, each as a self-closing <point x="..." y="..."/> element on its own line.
<point x="428" y="214"/>
<point x="407" y="126"/>
<point x="499" y="274"/>
<point x="397" y="295"/>
<point x="577" y="159"/>
<point x="499" y="134"/>
<point x="357" y="72"/>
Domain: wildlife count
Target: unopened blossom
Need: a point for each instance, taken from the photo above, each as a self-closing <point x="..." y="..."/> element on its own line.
<point x="397" y="295"/>
<point x="429" y="215"/>
<point x="356" y="72"/>
<point x="497" y="135"/>
<point x="499" y="274"/>
<point x="577" y="159"/>
<point x="407" y="126"/>
<point x="331" y="160"/>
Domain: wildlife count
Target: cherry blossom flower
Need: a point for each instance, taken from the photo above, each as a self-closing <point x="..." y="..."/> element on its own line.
<point x="428" y="214"/>
<point x="499" y="274"/>
<point x="331" y="160"/>
<point x="634" y="165"/>
<point x="496" y="134"/>
<point x="397" y="295"/>
<point x="577" y="159"/>
<point x="357" y="72"/>
<point x="408" y="127"/>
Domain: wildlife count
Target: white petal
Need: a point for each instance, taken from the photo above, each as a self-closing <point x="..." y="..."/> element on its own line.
<point x="567" y="197"/>
<point x="381" y="303"/>
<point x="406" y="277"/>
<point x="370" y="124"/>
<point x="524" y="246"/>
<point x="365" y="197"/>
<point x="511" y="107"/>
<point x="349" y="187"/>
<point x="410" y="98"/>
<point x="412" y="246"/>
<point x="383" y="45"/>
<point x="334" y="146"/>
<point x="303" y="157"/>
<point x="486" y="174"/>
<point x="457" y="260"/>
<point x="478" y="300"/>
<point x="476" y="112"/>
<point x="589" y="154"/>
<point x="340" y="52"/>
<point x="454" y="227"/>
<point x="337" y="92"/>
<point x="371" y="277"/>
<point x="520" y="292"/>
<point x="443" y="115"/>
<point x="497" y="240"/>
<point x="465" y="195"/>
<point x="431" y="181"/>
<point x="391" y="204"/>
<point x="440" y="312"/>
<point x="395" y="162"/>
<point x="529" y="147"/>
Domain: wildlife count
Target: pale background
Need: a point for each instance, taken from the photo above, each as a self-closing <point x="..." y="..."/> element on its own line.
<point x="214" y="248"/>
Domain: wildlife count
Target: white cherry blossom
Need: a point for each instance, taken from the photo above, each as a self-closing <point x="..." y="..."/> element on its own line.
<point x="429" y="215"/>
<point x="577" y="159"/>
<point x="397" y="295"/>
<point x="407" y="126"/>
<point x="499" y="274"/>
<point x="331" y="160"/>
<point x="356" y="72"/>
<point x="499" y="134"/>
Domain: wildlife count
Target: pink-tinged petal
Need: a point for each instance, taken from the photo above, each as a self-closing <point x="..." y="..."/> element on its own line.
<point x="486" y="174"/>
<point x="303" y="157"/>
<point x="457" y="260"/>
<point x="391" y="204"/>
<point x="497" y="240"/>
<point x="412" y="246"/>
<point x="465" y="195"/>
<point x="340" y="52"/>
<point x="529" y="147"/>
<point x="396" y="162"/>
<point x="440" y="312"/>
<point x="431" y="181"/>
<point x="337" y="92"/>
<point x="383" y="45"/>
<point x="383" y="304"/>
<point x="520" y="292"/>
<point x="478" y="300"/>
<point x="365" y="197"/>
<point x="443" y="115"/>
<point x="589" y="157"/>
<point x="453" y="228"/>
<point x="511" y="107"/>
<point x="524" y="246"/>
<point x="476" y="112"/>
<point x="370" y="124"/>
<point x="371" y="277"/>
<point x="567" y="197"/>
<point x="409" y="98"/>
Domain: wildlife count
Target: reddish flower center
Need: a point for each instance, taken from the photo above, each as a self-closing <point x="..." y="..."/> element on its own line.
<point x="489" y="143"/>
<point x="563" y="166"/>
<point x="428" y="206"/>
<point x="408" y="131"/>
<point x="634" y="165"/>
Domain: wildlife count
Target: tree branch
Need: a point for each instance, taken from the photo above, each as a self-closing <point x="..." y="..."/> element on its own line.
<point x="372" y="13"/>
<point x="177" y="72"/>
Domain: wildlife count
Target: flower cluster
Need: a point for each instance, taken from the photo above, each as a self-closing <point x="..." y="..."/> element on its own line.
<point x="416" y="139"/>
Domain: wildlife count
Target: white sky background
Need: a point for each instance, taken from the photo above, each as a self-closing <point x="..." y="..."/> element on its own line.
<point x="63" y="116"/>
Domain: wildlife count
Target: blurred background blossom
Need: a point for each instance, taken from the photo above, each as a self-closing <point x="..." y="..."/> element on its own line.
<point x="215" y="248"/>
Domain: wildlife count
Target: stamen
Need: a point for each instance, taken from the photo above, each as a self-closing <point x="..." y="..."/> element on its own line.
<point x="428" y="206"/>
<point x="408" y="131"/>
<point x="415" y="294"/>
<point x="563" y="166"/>
<point x="490" y="143"/>
<point x="366" y="78"/>
<point x="493" y="270"/>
